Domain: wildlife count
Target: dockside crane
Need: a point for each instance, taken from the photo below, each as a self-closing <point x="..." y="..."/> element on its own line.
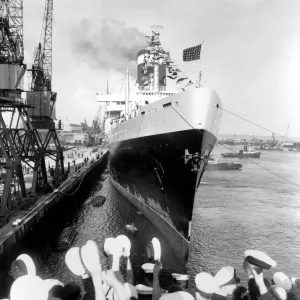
<point x="20" y="145"/>
<point x="43" y="98"/>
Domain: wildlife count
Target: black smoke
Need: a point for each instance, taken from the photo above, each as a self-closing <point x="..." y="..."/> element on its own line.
<point x="106" y="44"/>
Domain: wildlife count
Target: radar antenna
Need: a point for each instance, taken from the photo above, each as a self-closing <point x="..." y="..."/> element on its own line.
<point x="156" y="28"/>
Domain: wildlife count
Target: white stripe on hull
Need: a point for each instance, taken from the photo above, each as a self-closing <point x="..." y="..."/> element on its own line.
<point x="198" y="107"/>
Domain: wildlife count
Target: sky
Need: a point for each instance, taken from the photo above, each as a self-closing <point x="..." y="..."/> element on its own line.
<point x="251" y="53"/>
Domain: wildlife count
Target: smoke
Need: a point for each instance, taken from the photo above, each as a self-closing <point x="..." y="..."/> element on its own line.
<point x="106" y="44"/>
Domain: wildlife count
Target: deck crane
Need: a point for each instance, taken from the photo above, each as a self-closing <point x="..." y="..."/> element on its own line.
<point x="43" y="98"/>
<point x="19" y="141"/>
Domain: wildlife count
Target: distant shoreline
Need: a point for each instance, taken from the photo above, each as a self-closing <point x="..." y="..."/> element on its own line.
<point x="256" y="137"/>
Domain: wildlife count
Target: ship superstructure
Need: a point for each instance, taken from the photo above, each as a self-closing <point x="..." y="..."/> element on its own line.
<point x="160" y="140"/>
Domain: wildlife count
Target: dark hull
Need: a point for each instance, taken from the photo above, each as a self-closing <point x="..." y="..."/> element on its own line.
<point x="156" y="176"/>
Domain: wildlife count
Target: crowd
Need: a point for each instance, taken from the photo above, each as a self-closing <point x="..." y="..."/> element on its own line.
<point x="117" y="282"/>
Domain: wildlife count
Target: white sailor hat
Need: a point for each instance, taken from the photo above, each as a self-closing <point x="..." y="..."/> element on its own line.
<point x="180" y="277"/>
<point x="109" y="245"/>
<point x="206" y="283"/>
<point x="143" y="289"/>
<point x="181" y="295"/>
<point x="148" y="267"/>
<point x="259" y="259"/>
<point x="282" y="280"/>
<point x="280" y="291"/>
<point x="226" y="276"/>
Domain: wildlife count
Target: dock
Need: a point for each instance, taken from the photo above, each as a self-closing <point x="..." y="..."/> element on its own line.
<point x="33" y="218"/>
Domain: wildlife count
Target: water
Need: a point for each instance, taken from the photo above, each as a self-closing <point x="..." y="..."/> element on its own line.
<point x="248" y="209"/>
<point x="234" y="211"/>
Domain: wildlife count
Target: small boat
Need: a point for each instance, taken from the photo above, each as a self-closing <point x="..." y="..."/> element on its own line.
<point x="98" y="201"/>
<point x="223" y="166"/>
<point x="66" y="238"/>
<point x="293" y="149"/>
<point x="98" y="186"/>
<point x="131" y="228"/>
<point x="245" y="152"/>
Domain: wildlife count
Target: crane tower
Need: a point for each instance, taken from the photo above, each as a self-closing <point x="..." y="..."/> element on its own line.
<point x="20" y="146"/>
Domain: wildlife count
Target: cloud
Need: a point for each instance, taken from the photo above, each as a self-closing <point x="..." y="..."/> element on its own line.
<point x="106" y="44"/>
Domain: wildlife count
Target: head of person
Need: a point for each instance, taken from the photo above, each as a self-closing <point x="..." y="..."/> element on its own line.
<point x="206" y="286"/>
<point x="165" y="279"/>
<point x="59" y="292"/>
<point x="148" y="274"/>
<point x="278" y="293"/>
<point x="73" y="291"/>
<point x="18" y="269"/>
<point x="240" y="293"/>
<point x="181" y="280"/>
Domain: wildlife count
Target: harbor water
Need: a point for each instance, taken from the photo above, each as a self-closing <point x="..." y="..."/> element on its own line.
<point x="234" y="211"/>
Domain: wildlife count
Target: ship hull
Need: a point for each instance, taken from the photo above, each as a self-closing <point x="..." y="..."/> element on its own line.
<point x="157" y="160"/>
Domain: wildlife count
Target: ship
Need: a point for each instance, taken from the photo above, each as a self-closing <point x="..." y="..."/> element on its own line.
<point x="160" y="135"/>
<point x="243" y="153"/>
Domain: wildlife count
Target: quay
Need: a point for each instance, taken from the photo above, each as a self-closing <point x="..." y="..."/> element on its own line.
<point x="45" y="210"/>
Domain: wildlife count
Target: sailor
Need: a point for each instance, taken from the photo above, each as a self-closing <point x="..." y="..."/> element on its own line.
<point x="257" y="260"/>
<point x="146" y="289"/>
<point x="206" y="286"/>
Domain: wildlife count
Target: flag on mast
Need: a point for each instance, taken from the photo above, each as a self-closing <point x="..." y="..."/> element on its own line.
<point x="192" y="53"/>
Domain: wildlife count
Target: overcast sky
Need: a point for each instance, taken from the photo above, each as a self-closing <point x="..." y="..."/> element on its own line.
<point x="251" y="52"/>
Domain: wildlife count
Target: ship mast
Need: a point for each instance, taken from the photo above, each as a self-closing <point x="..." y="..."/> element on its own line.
<point x="201" y="69"/>
<point x="127" y="92"/>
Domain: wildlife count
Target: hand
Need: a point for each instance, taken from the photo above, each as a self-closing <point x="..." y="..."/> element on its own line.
<point x="156" y="269"/>
<point x="259" y="279"/>
<point x="112" y="278"/>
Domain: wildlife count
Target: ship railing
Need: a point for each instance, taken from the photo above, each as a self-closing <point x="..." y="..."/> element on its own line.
<point x="153" y="89"/>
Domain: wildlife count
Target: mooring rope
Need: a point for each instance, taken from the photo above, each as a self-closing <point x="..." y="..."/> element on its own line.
<point x="279" y="176"/>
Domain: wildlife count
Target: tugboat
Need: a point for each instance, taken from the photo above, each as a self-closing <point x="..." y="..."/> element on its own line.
<point x="160" y="137"/>
<point x="245" y="152"/>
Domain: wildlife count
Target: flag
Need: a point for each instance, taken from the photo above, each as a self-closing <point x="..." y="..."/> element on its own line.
<point x="192" y="53"/>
